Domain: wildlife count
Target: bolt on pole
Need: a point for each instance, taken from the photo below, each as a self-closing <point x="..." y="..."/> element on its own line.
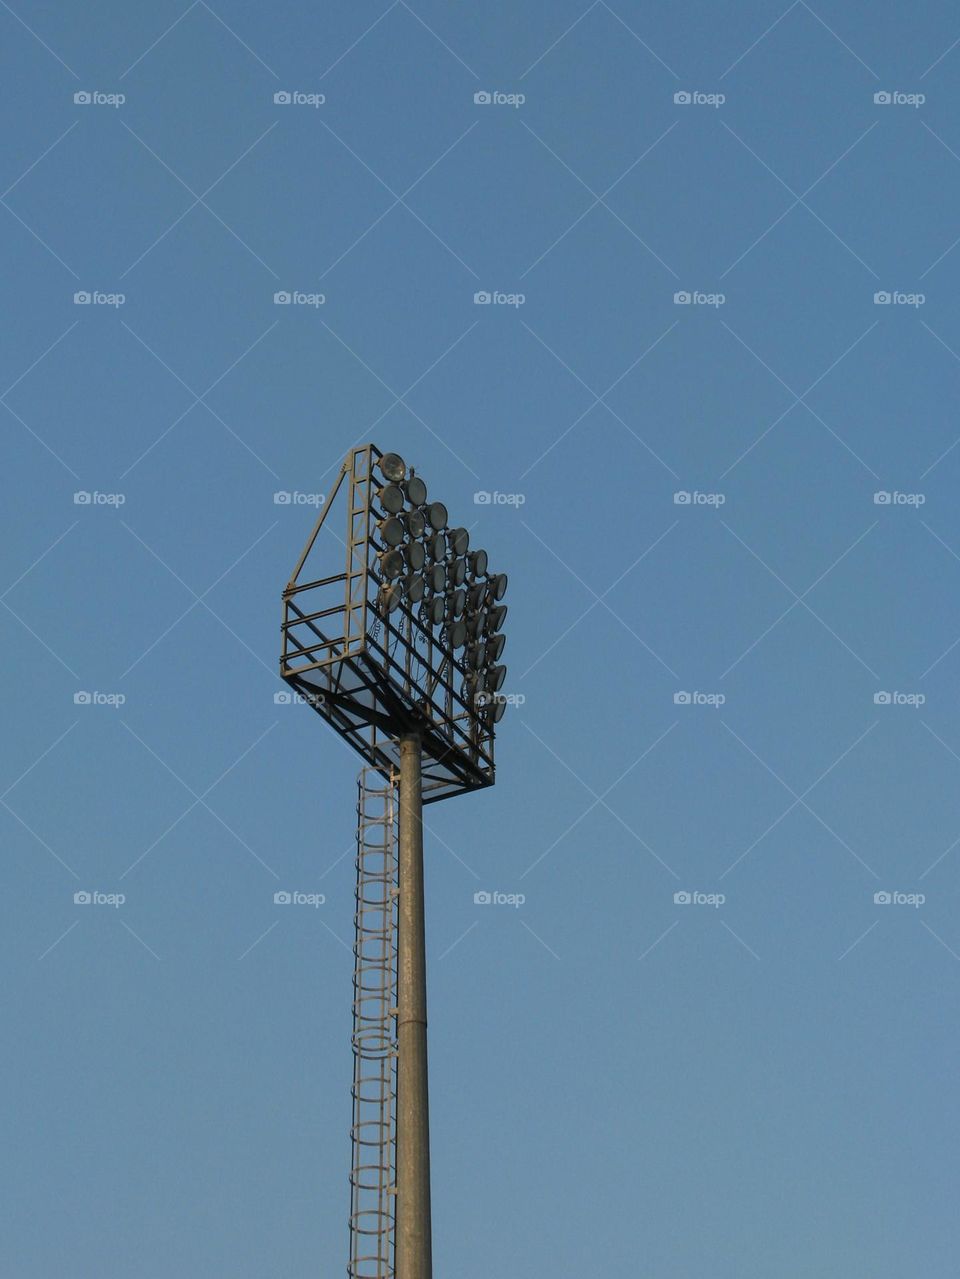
<point x="414" y="1258"/>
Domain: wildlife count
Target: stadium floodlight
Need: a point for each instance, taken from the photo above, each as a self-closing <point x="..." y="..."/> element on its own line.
<point x="399" y="652"/>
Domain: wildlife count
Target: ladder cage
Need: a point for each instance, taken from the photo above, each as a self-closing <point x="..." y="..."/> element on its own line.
<point x="373" y="1130"/>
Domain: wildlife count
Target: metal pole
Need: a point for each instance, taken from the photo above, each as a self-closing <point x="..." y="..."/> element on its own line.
<point x="414" y="1258"/>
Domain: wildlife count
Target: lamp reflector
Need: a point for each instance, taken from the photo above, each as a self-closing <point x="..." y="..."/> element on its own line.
<point x="415" y="555"/>
<point x="391" y="531"/>
<point x="437" y="515"/>
<point x="393" y="467"/>
<point x="391" y="499"/>
<point x="416" y="491"/>
<point x="460" y="541"/>
<point x="390" y="563"/>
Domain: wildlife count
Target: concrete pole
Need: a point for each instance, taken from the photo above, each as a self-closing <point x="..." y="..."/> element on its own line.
<point x="414" y="1259"/>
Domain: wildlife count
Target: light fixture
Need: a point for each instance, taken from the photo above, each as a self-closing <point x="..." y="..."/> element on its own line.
<point x="414" y="523"/>
<point x="390" y="563"/>
<point x="390" y="531"/>
<point x="391" y="499"/>
<point x="478" y="563"/>
<point x="415" y="555"/>
<point x="459" y="541"/>
<point x="494" y="678"/>
<point x="437" y="515"/>
<point x="495" y="618"/>
<point x="495" y="646"/>
<point x="393" y="467"/>
<point x="416" y="491"/>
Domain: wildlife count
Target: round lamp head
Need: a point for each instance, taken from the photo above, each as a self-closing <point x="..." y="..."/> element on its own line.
<point x="391" y="531"/>
<point x="495" y="618"/>
<point x="436" y="610"/>
<point x="455" y="635"/>
<point x="413" y="587"/>
<point x="416" y="491"/>
<point x="460" y="541"/>
<point x="414" y="523"/>
<point x="437" y="515"/>
<point x="498" y="586"/>
<point x="494" y="678"/>
<point x="437" y="546"/>
<point x="415" y="555"/>
<point x="393" y="467"/>
<point x="390" y="564"/>
<point x="391" y="498"/>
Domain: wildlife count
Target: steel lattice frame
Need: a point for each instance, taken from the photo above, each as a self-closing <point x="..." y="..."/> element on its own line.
<point x="374" y="675"/>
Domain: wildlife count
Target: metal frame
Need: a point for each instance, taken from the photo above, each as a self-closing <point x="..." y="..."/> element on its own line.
<point x="373" y="677"/>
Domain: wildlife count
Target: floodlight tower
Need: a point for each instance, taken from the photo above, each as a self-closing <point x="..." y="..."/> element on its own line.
<point x="400" y="653"/>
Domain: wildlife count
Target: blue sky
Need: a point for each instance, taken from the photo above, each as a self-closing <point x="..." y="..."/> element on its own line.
<point x="717" y="397"/>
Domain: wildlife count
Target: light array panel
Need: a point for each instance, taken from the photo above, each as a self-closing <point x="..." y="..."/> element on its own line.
<point x="408" y="637"/>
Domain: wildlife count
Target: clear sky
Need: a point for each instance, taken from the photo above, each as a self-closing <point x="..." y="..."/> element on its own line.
<point x="757" y="1082"/>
